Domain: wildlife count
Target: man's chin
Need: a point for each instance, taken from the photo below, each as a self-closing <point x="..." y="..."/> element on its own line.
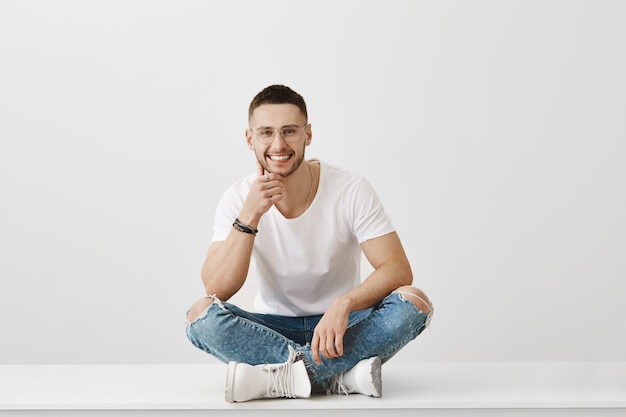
<point x="284" y="171"/>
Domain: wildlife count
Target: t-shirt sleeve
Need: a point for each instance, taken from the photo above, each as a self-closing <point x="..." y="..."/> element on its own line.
<point x="369" y="217"/>
<point x="227" y="210"/>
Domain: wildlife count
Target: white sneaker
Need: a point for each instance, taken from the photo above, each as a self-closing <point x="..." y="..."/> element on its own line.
<point x="247" y="382"/>
<point x="364" y="378"/>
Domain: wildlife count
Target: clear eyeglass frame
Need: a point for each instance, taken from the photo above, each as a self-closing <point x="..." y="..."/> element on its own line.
<point x="288" y="133"/>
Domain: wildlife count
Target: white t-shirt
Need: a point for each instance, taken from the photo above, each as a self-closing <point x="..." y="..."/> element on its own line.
<point x="303" y="264"/>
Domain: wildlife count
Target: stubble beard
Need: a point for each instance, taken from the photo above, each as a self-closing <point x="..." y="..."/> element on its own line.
<point x="294" y="168"/>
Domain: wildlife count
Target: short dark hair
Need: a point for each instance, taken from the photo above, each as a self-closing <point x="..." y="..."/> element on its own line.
<point x="278" y="94"/>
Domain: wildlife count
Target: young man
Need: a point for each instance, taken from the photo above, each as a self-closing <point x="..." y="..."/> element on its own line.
<point x="306" y="223"/>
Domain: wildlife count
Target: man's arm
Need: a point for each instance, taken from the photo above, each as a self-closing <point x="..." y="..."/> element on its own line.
<point x="391" y="271"/>
<point x="226" y="265"/>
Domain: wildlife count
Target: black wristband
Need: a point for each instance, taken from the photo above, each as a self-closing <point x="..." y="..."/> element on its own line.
<point x="242" y="227"/>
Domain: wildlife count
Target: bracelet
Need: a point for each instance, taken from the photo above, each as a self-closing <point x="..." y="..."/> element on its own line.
<point x="242" y="227"/>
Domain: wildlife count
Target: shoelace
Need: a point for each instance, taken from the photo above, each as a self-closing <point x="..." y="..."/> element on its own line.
<point x="337" y="386"/>
<point x="280" y="377"/>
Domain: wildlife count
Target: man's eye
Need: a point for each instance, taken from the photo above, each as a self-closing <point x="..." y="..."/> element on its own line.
<point x="265" y="132"/>
<point x="289" y="131"/>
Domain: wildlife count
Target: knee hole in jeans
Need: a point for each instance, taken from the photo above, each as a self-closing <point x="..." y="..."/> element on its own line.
<point x="199" y="308"/>
<point x="417" y="297"/>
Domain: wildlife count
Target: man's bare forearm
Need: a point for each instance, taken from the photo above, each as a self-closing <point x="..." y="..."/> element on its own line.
<point x="226" y="266"/>
<point x="380" y="283"/>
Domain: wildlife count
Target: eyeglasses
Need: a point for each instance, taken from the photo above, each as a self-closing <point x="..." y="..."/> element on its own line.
<point x="266" y="135"/>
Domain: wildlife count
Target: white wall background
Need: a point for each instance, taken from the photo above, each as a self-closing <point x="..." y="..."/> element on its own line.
<point x="494" y="132"/>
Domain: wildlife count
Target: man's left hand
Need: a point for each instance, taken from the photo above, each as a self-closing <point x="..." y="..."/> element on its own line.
<point x="329" y="332"/>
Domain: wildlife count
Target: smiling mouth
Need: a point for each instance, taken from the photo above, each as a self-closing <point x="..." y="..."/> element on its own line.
<point x="279" y="157"/>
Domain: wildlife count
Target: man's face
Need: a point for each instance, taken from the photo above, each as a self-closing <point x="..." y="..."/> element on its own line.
<point x="280" y="156"/>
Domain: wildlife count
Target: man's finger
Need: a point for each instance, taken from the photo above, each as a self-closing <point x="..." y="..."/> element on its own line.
<point x="260" y="171"/>
<point x="315" y="351"/>
<point x="330" y="348"/>
<point x="339" y="344"/>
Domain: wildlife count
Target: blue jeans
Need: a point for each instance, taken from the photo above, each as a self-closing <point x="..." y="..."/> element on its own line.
<point x="232" y="334"/>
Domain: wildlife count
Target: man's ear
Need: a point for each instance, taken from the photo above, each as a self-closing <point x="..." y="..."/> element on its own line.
<point x="249" y="140"/>
<point x="309" y="135"/>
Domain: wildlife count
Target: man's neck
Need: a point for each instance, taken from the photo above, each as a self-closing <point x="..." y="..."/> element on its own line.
<point x="299" y="191"/>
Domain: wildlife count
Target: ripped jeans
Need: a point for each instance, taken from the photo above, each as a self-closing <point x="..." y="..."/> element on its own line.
<point x="232" y="334"/>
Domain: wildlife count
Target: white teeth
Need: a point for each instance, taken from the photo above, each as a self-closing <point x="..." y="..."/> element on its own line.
<point x="279" y="157"/>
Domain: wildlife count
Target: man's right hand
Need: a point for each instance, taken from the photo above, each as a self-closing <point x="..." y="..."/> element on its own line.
<point x="266" y="190"/>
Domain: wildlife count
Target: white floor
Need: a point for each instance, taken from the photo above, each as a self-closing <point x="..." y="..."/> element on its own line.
<point x="434" y="389"/>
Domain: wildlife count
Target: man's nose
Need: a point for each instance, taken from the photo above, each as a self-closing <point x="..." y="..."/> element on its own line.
<point x="278" y="139"/>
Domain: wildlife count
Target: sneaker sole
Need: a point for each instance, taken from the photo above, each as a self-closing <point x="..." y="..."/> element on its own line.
<point x="230" y="382"/>
<point x="377" y="377"/>
<point x="369" y="378"/>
